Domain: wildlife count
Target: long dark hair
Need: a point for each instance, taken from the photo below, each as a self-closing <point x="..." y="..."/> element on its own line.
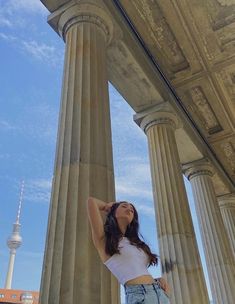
<point x="113" y="234"/>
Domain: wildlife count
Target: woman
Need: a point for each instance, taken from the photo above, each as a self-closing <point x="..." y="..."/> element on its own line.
<point x="121" y="250"/>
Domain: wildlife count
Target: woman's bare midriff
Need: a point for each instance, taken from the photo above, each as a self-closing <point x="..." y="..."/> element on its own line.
<point x="145" y="279"/>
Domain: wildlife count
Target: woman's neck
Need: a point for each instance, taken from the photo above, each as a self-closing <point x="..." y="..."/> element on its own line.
<point x="122" y="226"/>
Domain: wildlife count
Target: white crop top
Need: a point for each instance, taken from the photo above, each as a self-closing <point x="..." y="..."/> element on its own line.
<point x="131" y="263"/>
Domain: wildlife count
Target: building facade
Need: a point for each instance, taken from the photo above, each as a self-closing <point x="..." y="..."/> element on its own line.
<point x="15" y="296"/>
<point x="174" y="63"/>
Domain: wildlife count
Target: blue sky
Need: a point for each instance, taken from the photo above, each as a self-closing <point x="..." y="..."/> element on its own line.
<point x="31" y="74"/>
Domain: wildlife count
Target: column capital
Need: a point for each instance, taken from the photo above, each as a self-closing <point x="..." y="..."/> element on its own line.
<point x="92" y="11"/>
<point x="227" y="201"/>
<point x="159" y="114"/>
<point x="197" y="168"/>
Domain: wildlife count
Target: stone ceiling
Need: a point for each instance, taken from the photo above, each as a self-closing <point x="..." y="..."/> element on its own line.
<point x="193" y="42"/>
<point x="183" y="52"/>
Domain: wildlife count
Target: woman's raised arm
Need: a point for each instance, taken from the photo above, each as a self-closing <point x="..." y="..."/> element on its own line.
<point x="95" y="207"/>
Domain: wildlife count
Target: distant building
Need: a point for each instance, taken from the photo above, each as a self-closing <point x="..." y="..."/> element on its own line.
<point x="13" y="296"/>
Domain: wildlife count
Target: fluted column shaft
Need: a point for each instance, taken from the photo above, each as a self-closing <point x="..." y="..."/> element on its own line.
<point x="219" y="258"/>
<point x="72" y="271"/>
<point x="227" y="208"/>
<point x="178" y="248"/>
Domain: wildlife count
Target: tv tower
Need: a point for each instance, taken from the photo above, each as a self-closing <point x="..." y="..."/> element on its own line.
<point x="14" y="242"/>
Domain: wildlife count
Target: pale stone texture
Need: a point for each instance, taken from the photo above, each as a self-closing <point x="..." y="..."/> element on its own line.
<point x="227" y="208"/>
<point x="193" y="44"/>
<point x="219" y="257"/>
<point x="179" y="254"/>
<point x="72" y="271"/>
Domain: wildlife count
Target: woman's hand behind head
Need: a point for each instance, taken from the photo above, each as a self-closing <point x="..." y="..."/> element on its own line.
<point x="108" y="206"/>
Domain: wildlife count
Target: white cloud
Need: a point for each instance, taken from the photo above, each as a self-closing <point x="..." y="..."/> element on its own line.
<point x="26" y="6"/>
<point x="135" y="171"/>
<point x="146" y="210"/>
<point x="40" y="51"/>
<point x="125" y="188"/>
<point x="38" y="190"/>
<point x="18" y="13"/>
<point x="43" y="52"/>
<point x="133" y="184"/>
<point x="5" y="125"/>
<point x="132" y="169"/>
<point x="8" y="38"/>
<point x="4" y="21"/>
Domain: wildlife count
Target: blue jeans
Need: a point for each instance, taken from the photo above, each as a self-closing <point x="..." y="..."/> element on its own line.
<point x="145" y="294"/>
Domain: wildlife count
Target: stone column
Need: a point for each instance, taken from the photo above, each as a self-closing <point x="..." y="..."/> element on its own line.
<point x="219" y="257"/>
<point x="179" y="254"/>
<point x="72" y="270"/>
<point x="227" y="208"/>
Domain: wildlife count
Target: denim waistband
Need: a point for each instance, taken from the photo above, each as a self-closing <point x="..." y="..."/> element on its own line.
<point x="141" y="287"/>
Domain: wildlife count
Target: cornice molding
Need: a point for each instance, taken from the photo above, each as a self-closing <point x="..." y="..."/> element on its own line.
<point x="161" y="114"/>
<point x="198" y="168"/>
<point x="74" y="13"/>
<point x="227" y="201"/>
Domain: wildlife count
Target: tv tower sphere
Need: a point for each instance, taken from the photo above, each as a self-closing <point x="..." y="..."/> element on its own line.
<point x="15" y="240"/>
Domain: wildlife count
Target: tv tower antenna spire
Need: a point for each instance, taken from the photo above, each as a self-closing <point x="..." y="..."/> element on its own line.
<point x="14" y="241"/>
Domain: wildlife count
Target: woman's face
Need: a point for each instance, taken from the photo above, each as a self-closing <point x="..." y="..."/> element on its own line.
<point x="125" y="210"/>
